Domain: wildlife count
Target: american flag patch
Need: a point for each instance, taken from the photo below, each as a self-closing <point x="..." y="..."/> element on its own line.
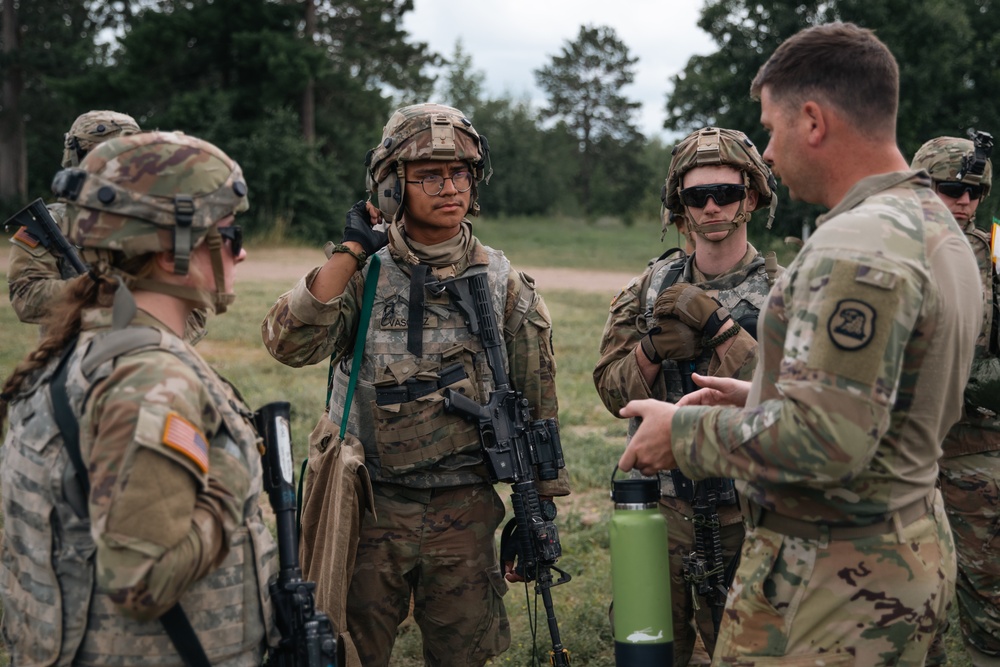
<point x="26" y="237"/>
<point x="181" y="435"/>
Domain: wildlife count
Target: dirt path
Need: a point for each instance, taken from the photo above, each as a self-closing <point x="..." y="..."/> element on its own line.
<point x="287" y="265"/>
<point x="290" y="264"/>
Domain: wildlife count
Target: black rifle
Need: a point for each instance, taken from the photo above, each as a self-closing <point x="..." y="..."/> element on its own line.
<point x="35" y="217"/>
<point x="307" y="635"/>
<point x="704" y="568"/>
<point x="513" y="447"/>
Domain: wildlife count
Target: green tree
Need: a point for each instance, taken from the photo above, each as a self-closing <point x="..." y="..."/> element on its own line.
<point x="462" y="87"/>
<point x="533" y="168"/>
<point x="946" y="85"/>
<point x="584" y="88"/>
<point x="46" y="46"/>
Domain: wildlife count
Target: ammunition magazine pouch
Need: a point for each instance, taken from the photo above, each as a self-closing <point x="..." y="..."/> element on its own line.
<point x="414" y="388"/>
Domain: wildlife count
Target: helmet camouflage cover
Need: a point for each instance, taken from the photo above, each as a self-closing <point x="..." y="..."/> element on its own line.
<point x="423" y="132"/>
<point x="712" y="146"/>
<point x="943" y="158"/>
<point x="92" y="128"/>
<point x="150" y="192"/>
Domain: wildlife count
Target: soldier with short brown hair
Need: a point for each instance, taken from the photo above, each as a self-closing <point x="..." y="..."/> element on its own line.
<point x="431" y="534"/>
<point x="865" y="346"/>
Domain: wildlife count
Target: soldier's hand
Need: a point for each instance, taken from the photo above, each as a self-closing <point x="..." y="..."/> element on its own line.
<point x="717" y="391"/>
<point x="672" y="340"/>
<point x="360" y="227"/>
<point x="692" y="306"/>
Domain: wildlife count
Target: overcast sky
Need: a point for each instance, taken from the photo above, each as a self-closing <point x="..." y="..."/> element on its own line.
<point x="509" y="39"/>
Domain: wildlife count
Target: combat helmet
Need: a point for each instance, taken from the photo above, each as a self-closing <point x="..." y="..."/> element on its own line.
<point x="151" y="192"/>
<point x="90" y="129"/>
<point x="423" y="132"/>
<point x="711" y="146"/>
<point x="947" y="158"/>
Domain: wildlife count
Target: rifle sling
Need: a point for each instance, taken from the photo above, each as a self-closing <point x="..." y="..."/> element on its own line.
<point x="175" y="622"/>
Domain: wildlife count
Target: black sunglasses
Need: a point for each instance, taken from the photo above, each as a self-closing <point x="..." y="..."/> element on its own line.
<point x="955" y="189"/>
<point x="233" y="234"/>
<point x="721" y="193"/>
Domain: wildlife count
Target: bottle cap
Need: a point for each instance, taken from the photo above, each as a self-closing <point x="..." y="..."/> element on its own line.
<point x="635" y="491"/>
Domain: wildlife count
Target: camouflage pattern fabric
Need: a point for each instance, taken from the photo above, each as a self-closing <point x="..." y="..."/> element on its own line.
<point x="36" y="275"/>
<point x="872" y="601"/>
<point x="126" y="197"/>
<point x="864" y="341"/>
<point x="440" y="512"/>
<point x="174" y="514"/>
<point x="36" y="278"/>
<point x="943" y="158"/>
<point x="970" y="477"/>
<point x="423" y="132"/>
<point x="742" y="290"/>
<point x="439" y="544"/>
<point x="92" y="128"/>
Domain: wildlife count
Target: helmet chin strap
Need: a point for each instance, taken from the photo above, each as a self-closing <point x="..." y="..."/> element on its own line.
<point x="217" y="301"/>
<point x="741" y="218"/>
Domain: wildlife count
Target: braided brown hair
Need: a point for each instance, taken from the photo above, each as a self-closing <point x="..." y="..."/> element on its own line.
<point x="62" y="324"/>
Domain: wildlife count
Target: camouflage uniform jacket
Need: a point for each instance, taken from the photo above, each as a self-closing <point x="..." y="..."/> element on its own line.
<point x="36" y="276"/>
<point x="410" y="440"/>
<point x="865" y="345"/>
<point x="979" y="429"/>
<point x="742" y="290"/>
<point x="70" y="563"/>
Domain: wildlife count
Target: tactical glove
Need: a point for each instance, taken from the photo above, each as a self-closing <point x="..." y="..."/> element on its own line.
<point x="672" y="340"/>
<point x="692" y="306"/>
<point x="358" y="228"/>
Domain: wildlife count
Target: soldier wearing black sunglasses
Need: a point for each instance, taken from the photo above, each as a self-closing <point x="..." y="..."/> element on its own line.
<point x="962" y="174"/>
<point x="695" y="313"/>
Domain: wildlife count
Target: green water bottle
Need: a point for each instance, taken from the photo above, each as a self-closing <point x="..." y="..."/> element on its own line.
<point x="640" y="576"/>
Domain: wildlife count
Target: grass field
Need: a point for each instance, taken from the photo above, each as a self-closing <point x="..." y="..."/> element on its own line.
<point x="592" y="438"/>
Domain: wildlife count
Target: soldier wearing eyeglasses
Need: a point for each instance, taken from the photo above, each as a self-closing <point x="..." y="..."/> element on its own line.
<point x="430" y="533"/>
<point x="695" y="313"/>
<point x="970" y="465"/>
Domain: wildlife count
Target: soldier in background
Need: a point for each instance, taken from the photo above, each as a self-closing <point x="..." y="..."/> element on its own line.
<point x="431" y="536"/>
<point x="156" y="518"/>
<point x="665" y="324"/>
<point x="36" y="275"/>
<point x="970" y="465"/>
<point x="866" y="341"/>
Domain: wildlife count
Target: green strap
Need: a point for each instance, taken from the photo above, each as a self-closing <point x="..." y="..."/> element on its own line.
<point x="371" y="282"/>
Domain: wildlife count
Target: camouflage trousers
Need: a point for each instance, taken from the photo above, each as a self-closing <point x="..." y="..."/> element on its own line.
<point x="865" y="602"/>
<point x="971" y="489"/>
<point x="692" y="615"/>
<point x="436" y="545"/>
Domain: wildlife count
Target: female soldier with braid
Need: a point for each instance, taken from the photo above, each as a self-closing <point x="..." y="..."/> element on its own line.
<point x="157" y="520"/>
